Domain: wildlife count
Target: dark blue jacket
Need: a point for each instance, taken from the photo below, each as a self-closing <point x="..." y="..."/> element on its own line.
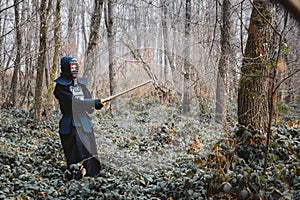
<point x="74" y="110"/>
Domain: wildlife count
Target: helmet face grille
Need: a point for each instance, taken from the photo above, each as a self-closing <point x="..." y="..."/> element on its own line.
<point x="74" y="67"/>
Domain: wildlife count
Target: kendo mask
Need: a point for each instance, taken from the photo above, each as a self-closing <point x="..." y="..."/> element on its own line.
<point x="69" y="66"/>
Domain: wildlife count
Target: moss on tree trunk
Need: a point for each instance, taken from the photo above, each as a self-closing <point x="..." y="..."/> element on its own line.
<point x="253" y="87"/>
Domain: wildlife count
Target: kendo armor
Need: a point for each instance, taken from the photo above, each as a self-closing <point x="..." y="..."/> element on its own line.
<point x="76" y="90"/>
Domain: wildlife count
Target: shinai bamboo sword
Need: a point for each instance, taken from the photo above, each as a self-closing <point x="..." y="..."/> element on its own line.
<point x="124" y="92"/>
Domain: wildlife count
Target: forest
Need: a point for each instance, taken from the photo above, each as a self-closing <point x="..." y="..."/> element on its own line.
<point x="217" y="117"/>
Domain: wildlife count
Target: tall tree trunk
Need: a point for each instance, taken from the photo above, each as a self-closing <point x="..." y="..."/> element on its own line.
<point x="165" y="38"/>
<point x="15" y="80"/>
<point x="71" y="37"/>
<point x="1" y="63"/>
<point x="57" y="29"/>
<point x="41" y="61"/>
<point x="186" y="76"/>
<point x="221" y="98"/>
<point x="47" y="68"/>
<point x="109" y="19"/>
<point x="83" y="24"/>
<point x="253" y="87"/>
<point x="168" y="51"/>
<point x="91" y="53"/>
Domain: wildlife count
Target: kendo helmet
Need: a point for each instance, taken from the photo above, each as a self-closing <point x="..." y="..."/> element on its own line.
<point x="69" y="66"/>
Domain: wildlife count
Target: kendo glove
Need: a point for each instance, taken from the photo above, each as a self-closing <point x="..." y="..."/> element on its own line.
<point x="99" y="104"/>
<point x="102" y="102"/>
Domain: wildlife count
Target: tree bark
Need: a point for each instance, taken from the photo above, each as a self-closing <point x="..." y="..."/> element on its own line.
<point x="57" y="30"/>
<point x="253" y="87"/>
<point x="1" y="63"/>
<point x="165" y="39"/>
<point x="41" y="62"/>
<point x="12" y="100"/>
<point x="222" y="85"/>
<point x="71" y="37"/>
<point x="91" y="53"/>
<point x="109" y="19"/>
<point x="186" y="75"/>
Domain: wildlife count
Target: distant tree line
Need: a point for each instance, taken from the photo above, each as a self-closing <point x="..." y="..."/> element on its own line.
<point x="204" y="53"/>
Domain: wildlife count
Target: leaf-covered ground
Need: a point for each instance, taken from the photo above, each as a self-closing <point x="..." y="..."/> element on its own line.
<point x="150" y="151"/>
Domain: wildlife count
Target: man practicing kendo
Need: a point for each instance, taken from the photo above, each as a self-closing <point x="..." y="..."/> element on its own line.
<point x="75" y="127"/>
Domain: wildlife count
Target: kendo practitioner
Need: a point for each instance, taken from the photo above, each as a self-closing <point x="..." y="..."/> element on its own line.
<point x="75" y="127"/>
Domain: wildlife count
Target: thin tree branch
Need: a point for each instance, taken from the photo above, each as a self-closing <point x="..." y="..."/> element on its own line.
<point x="4" y="9"/>
<point x="286" y="78"/>
<point x="214" y="32"/>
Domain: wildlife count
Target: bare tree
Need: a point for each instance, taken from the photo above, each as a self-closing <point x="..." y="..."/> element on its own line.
<point x="168" y="54"/>
<point x="187" y="52"/>
<point x="71" y="33"/>
<point x="253" y="88"/>
<point x="180" y="53"/>
<point x="92" y="52"/>
<point x="38" y="98"/>
<point x="223" y="66"/>
<point x="12" y="98"/>
<point x="57" y="31"/>
<point x="2" y="23"/>
<point x="109" y="21"/>
<point x="30" y="52"/>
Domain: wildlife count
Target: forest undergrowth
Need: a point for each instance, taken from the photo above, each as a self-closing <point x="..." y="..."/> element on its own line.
<point x="151" y="151"/>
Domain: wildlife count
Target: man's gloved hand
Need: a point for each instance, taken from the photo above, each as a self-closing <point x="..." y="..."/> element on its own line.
<point x="102" y="102"/>
<point x="99" y="103"/>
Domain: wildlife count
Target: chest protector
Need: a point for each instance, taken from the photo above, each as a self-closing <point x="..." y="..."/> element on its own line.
<point x="80" y="118"/>
<point x="77" y="90"/>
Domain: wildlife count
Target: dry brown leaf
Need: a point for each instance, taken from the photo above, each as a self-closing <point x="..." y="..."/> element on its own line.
<point x="196" y="146"/>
